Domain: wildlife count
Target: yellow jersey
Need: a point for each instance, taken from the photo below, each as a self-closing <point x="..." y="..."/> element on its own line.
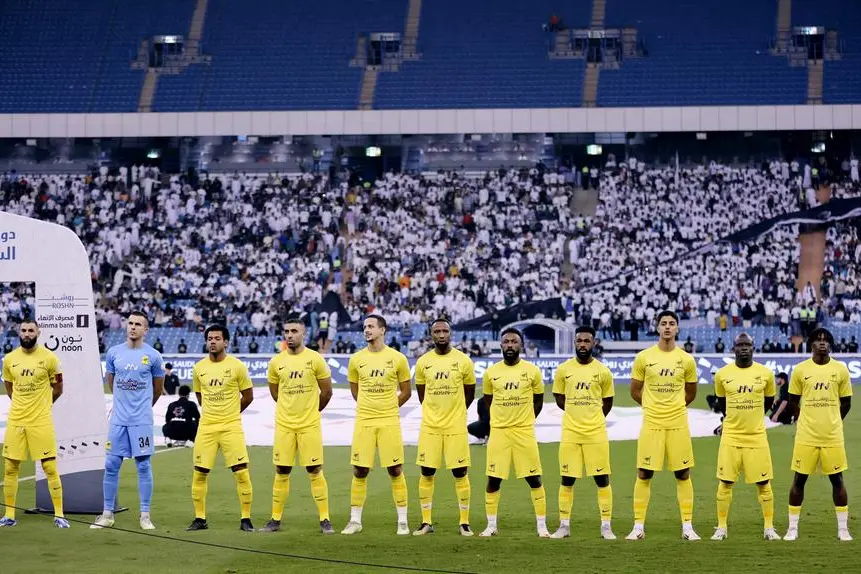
<point x="220" y="385"/>
<point x="378" y="376"/>
<point x="745" y="391"/>
<point x="585" y="387"/>
<point x="443" y="377"/>
<point x="820" y="388"/>
<point x="31" y="375"/>
<point x="298" y="391"/>
<point x="512" y="388"/>
<point x="664" y="374"/>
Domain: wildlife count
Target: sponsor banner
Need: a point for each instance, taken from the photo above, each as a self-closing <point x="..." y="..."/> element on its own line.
<point x="52" y="257"/>
<point x="619" y="365"/>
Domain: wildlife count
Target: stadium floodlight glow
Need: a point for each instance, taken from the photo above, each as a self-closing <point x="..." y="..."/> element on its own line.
<point x="373" y="151"/>
<point x="702" y="136"/>
<point x="153" y="154"/>
<point x="594" y="149"/>
<point x="818" y="147"/>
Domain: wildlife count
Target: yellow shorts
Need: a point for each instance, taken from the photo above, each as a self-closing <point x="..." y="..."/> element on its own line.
<point x="432" y="447"/>
<point x="574" y="456"/>
<point x="368" y="438"/>
<point x="828" y="459"/>
<point x="517" y="443"/>
<point x="308" y="441"/>
<point x="229" y="438"/>
<point x="39" y="441"/>
<point x="654" y="445"/>
<point x="754" y="462"/>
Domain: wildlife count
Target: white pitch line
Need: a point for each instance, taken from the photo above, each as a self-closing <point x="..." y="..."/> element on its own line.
<point x="33" y="477"/>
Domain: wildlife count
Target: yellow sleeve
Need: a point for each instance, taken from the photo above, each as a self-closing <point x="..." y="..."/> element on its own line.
<point x="55" y="367"/>
<point x="321" y="368"/>
<point x="795" y="387"/>
<point x="403" y="368"/>
<point x="420" y="371"/>
<point x="607" y="387"/>
<point x="691" y="371"/>
<point x="844" y="387"/>
<point x="272" y="373"/>
<point x="721" y="391"/>
<point x="468" y="372"/>
<point x="770" y="389"/>
<point x="537" y="382"/>
<point x="352" y="371"/>
<point x="195" y="380"/>
<point x="638" y="369"/>
<point x="486" y="385"/>
<point x="244" y="379"/>
<point x="559" y="382"/>
<point x="7" y="370"/>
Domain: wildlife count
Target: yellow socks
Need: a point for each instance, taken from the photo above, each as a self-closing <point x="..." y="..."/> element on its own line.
<point x="320" y="492"/>
<point x="539" y="501"/>
<point x="766" y="501"/>
<point x="55" y="486"/>
<point x="842" y="517"/>
<point x="10" y="485"/>
<point x="243" y="487"/>
<point x="724" y="499"/>
<point x="605" y="503"/>
<point x="794" y="515"/>
<point x="566" y="501"/>
<point x="199" y="487"/>
<point x="426" y="484"/>
<point x="399" y="494"/>
<point x="280" y="492"/>
<point x="685" y="495"/>
<point x="642" y="492"/>
<point x="491" y="505"/>
<point x="464" y="493"/>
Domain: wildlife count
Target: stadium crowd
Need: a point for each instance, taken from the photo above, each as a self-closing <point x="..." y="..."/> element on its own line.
<point x="251" y="248"/>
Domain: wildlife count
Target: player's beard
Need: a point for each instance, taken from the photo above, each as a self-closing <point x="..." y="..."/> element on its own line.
<point x="28" y="343"/>
<point x="583" y="355"/>
<point x="510" y="354"/>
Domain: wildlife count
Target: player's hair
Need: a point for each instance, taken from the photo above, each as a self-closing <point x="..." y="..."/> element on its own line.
<point x="29" y="320"/>
<point x="585" y="329"/>
<point x="184" y="390"/>
<point x="294" y="319"/>
<point x="137" y="313"/>
<point x="513" y="331"/>
<point x="440" y="320"/>
<point x="381" y="321"/>
<point x="168" y="365"/>
<point x="820" y="332"/>
<point x="667" y="313"/>
<point x="744" y="334"/>
<point x="221" y="328"/>
<point x="783" y="376"/>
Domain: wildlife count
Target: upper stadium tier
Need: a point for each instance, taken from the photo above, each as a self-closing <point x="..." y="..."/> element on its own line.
<point x="161" y="55"/>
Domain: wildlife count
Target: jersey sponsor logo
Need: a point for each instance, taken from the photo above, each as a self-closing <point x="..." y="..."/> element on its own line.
<point x="295" y="374"/>
<point x="216" y="383"/>
<point x="667" y="372"/>
<point x="582" y="386"/>
<point x="745" y="389"/>
<point x="441" y="375"/>
<point x="510" y="386"/>
<point x="28" y="372"/>
<point x="377" y="373"/>
<point x="821" y="386"/>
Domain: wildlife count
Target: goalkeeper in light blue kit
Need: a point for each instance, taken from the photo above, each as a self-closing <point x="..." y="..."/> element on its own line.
<point x="135" y="373"/>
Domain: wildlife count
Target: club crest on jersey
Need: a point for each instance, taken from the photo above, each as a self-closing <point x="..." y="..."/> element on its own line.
<point x="145" y="360"/>
<point x="390" y="364"/>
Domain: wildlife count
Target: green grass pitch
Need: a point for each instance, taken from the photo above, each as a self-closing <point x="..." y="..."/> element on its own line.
<point x="35" y="546"/>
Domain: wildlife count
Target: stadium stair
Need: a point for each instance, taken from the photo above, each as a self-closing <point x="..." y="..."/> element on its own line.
<point x="814" y="81"/>
<point x="369" y="87"/>
<point x="590" y="85"/>
<point x="599" y="9"/>
<point x="148" y="91"/>
<point x="409" y="42"/>
<point x="784" y="26"/>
